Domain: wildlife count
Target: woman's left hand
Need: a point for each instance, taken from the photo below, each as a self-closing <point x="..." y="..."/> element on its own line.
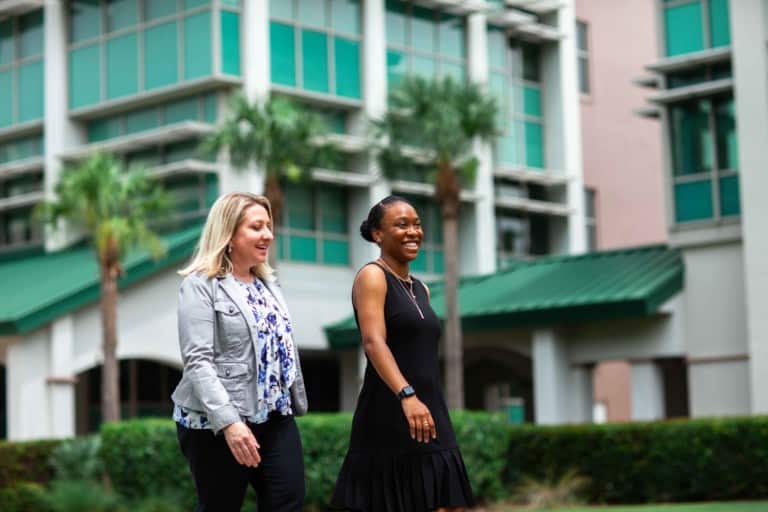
<point x="419" y="419"/>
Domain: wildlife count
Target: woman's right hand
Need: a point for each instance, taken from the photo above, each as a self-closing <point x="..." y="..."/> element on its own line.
<point x="419" y="418"/>
<point x="242" y="443"/>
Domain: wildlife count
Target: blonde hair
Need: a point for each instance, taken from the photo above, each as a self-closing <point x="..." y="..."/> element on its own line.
<point x="211" y="256"/>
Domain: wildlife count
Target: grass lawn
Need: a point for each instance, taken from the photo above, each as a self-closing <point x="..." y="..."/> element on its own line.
<point x="761" y="506"/>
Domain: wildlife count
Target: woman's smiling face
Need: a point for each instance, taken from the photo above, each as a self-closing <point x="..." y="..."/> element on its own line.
<point x="251" y="241"/>
<point x="400" y="234"/>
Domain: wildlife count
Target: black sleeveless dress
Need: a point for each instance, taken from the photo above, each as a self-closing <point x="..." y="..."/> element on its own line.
<point x="385" y="470"/>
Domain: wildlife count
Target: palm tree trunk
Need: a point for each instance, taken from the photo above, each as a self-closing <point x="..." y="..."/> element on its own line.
<point x="447" y="193"/>
<point x="274" y="192"/>
<point x="110" y="375"/>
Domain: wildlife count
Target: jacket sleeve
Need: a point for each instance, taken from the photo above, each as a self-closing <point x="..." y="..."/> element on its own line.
<point x="196" y="337"/>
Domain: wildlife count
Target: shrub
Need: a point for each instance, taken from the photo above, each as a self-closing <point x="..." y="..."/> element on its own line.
<point x="81" y="496"/>
<point x="25" y="462"/>
<point x="78" y="459"/>
<point x="142" y="458"/>
<point x="24" y="497"/>
<point x="685" y="460"/>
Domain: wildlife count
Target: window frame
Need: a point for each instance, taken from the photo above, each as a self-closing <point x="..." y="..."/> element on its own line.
<point x="712" y="176"/>
<point x="582" y="56"/>
<point x="408" y="49"/>
<point x="706" y="24"/>
<point x="18" y="62"/>
<point x="283" y="236"/>
<point x="213" y="7"/>
<point x="514" y="76"/>
<point x="331" y="35"/>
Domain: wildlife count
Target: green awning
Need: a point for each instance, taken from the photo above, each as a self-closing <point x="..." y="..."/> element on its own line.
<point x="39" y="288"/>
<point x="556" y="290"/>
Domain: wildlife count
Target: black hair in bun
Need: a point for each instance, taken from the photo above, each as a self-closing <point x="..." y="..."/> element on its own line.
<point x="376" y="214"/>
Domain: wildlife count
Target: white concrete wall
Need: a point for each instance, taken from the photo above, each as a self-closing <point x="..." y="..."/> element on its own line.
<point x="719" y="388"/>
<point x="714" y="301"/>
<point x="28" y="398"/>
<point x="749" y="33"/>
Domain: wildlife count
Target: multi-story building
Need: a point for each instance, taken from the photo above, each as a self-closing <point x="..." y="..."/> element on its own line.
<point x="712" y="100"/>
<point x="622" y="151"/>
<point x="147" y="79"/>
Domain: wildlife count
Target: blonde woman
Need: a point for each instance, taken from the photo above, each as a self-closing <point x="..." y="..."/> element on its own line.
<point x="242" y="383"/>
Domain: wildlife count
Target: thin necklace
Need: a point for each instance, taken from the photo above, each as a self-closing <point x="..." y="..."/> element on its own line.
<point x="408" y="291"/>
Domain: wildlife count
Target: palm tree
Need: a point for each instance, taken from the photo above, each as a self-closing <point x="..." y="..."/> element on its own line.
<point x="279" y="136"/>
<point x="113" y="207"/>
<point x="430" y="127"/>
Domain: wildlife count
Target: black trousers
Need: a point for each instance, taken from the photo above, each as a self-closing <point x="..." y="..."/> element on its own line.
<point x="221" y="482"/>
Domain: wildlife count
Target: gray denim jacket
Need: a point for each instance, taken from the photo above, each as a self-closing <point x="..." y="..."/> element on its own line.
<point x="217" y="336"/>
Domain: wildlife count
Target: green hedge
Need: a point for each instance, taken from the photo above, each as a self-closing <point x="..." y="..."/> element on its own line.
<point x="25" y="462"/>
<point x="151" y="446"/>
<point x="686" y="460"/>
<point x="691" y="460"/>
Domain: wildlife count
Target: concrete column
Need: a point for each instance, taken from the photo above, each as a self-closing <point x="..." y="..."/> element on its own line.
<point x="581" y="393"/>
<point x="60" y="133"/>
<point x="551" y="378"/>
<point x="374" y="106"/>
<point x="254" y="68"/>
<point x="27" y="391"/>
<point x="478" y="256"/>
<point x="61" y="381"/>
<point x="563" y="127"/>
<point x="647" y="391"/>
<point x="751" y="95"/>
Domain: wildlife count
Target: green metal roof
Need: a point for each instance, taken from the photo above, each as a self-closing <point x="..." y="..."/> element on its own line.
<point x="554" y="290"/>
<point x="39" y="288"/>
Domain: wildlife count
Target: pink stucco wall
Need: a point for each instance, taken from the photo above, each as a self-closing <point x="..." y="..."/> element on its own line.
<point x="622" y="152"/>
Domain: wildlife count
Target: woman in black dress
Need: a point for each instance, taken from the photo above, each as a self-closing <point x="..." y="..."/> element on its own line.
<point x="403" y="455"/>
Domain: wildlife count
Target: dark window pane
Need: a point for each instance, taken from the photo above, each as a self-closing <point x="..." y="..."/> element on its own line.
<point x="691" y="138"/>
<point x="727" y="143"/>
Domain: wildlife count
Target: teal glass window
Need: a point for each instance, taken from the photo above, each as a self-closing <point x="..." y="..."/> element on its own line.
<point x="719" y="23"/>
<point x="31" y="91"/>
<point x="704" y="149"/>
<point x="347" y="76"/>
<point x="7" y="42"/>
<point x="283" y="54"/>
<point x="424" y="42"/>
<point x="314" y="51"/>
<point x="84" y="76"/>
<point x="21" y="69"/>
<point x="193" y="108"/>
<point x="122" y="14"/>
<point x="315" y="46"/>
<point x="122" y="65"/>
<point x="197" y="45"/>
<point x="85" y="20"/>
<point x="21" y="148"/>
<point x="154" y="9"/>
<point x="134" y="46"/>
<point x="161" y="55"/>
<point x="695" y="25"/>
<point x="230" y="43"/>
<point x="6" y="100"/>
<point x="514" y="81"/>
<point x="31" y="34"/>
<point x="345" y="16"/>
<point x="314" y="227"/>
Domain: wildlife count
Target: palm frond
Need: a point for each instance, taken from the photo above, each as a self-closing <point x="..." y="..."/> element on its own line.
<point x="434" y="121"/>
<point x="112" y="205"/>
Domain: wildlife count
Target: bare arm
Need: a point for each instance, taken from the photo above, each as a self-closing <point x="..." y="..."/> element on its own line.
<point x="368" y="295"/>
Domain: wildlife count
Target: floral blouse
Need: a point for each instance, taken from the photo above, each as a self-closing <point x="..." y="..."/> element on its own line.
<point x="276" y="360"/>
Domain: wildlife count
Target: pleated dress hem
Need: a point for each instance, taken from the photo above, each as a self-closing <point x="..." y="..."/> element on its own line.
<point x="402" y="483"/>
